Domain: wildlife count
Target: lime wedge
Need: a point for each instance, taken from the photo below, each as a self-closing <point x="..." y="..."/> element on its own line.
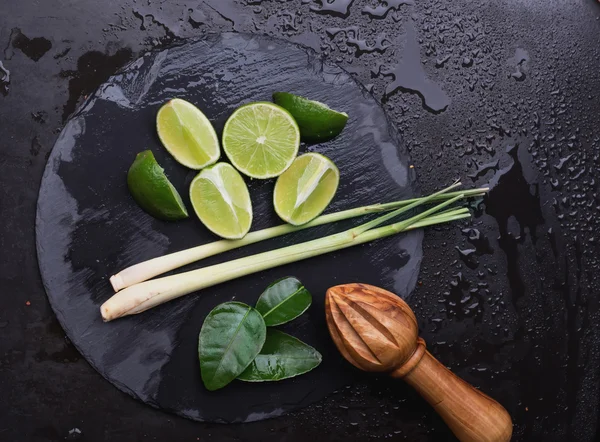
<point x="304" y="190"/>
<point x="187" y="134"/>
<point x="221" y="200"/>
<point x="261" y="139"/>
<point x="317" y="121"/>
<point x="152" y="190"/>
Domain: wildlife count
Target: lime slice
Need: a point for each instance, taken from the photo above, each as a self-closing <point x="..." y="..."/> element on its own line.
<point x="261" y="139"/>
<point x="317" y="121"/>
<point x="152" y="190"/>
<point x="187" y="134"/>
<point x="304" y="190"/>
<point x="221" y="200"/>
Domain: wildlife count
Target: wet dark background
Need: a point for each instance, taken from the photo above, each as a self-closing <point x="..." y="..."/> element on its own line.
<point x="506" y="93"/>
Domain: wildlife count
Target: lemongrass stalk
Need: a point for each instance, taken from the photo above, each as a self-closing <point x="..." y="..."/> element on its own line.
<point x="143" y="296"/>
<point x="452" y="210"/>
<point x="380" y="220"/>
<point x="437" y="220"/>
<point x="149" y="269"/>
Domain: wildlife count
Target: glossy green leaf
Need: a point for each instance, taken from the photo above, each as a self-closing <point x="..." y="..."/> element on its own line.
<point x="282" y="357"/>
<point x="282" y="301"/>
<point x="231" y="337"/>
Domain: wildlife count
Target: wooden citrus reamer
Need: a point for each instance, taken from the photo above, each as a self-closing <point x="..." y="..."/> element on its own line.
<point x="377" y="331"/>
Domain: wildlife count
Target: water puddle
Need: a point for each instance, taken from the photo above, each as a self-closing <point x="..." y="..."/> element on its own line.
<point x="515" y="204"/>
<point x="34" y="48"/>
<point x="520" y="63"/>
<point x="93" y="68"/>
<point x="196" y="18"/>
<point x="410" y="76"/>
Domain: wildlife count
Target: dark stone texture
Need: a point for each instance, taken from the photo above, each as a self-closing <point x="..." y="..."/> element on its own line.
<point x="88" y="226"/>
<point x="515" y="310"/>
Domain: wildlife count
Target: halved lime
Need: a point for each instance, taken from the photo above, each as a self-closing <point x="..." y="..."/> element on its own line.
<point x="152" y="190"/>
<point x="304" y="190"/>
<point x="187" y="134"/>
<point x="261" y="139"/>
<point x="317" y="121"/>
<point x="221" y="200"/>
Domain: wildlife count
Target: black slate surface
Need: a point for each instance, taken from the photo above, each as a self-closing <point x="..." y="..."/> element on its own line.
<point x="88" y="226"/>
<point x="504" y="92"/>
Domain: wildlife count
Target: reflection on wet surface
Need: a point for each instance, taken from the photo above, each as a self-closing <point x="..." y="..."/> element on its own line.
<point x="527" y="338"/>
<point x="4" y="80"/>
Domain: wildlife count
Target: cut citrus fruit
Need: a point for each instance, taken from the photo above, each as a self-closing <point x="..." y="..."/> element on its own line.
<point x="152" y="190"/>
<point x="187" y="134"/>
<point x="304" y="190"/>
<point x="221" y="200"/>
<point x="317" y="121"/>
<point x="261" y="139"/>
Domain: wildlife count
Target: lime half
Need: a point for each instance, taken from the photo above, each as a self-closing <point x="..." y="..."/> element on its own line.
<point x="221" y="200"/>
<point x="187" y="134"/>
<point x="261" y="139"/>
<point x="317" y="121"/>
<point x="152" y="190"/>
<point x="304" y="190"/>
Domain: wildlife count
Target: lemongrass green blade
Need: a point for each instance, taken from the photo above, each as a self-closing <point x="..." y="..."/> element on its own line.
<point x="380" y="220"/>
<point x="436" y="220"/>
<point x="392" y="229"/>
<point x="149" y="269"/>
<point x="449" y="213"/>
<point x="140" y="297"/>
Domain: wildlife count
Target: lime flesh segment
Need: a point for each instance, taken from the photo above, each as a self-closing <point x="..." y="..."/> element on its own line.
<point x="261" y="139"/>
<point x="221" y="200"/>
<point x="304" y="190"/>
<point x="187" y="134"/>
<point x="317" y="121"/>
<point x="152" y="190"/>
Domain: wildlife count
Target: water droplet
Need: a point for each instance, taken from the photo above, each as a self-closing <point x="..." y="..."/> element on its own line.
<point x="483" y="169"/>
<point x="562" y="162"/>
<point x="74" y="433"/>
<point x="381" y="10"/>
<point x="518" y="75"/>
<point x="337" y="8"/>
<point x="468" y="256"/>
<point x="440" y="62"/>
<point x="352" y="38"/>
<point x="479" y="241"/>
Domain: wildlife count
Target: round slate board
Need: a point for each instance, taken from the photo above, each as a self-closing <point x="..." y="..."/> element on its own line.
<point x="88" y="227"/>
